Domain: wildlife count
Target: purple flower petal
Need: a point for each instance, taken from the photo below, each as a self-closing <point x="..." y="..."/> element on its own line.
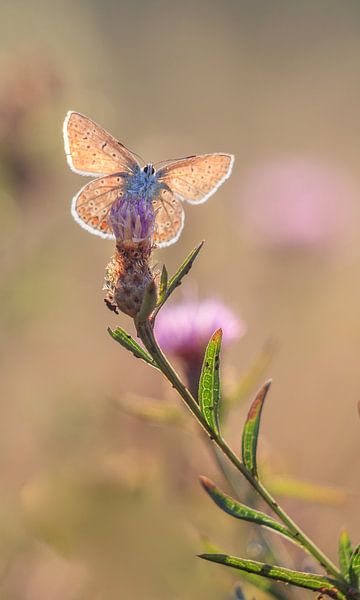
<point x="184" y="329"/>
<point x="132" y="219"/>
<point x="296" y="203"/>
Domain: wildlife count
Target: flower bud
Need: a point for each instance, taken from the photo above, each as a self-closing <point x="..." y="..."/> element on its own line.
<point x="128" y="275"/>
<point x="132" y="219"/>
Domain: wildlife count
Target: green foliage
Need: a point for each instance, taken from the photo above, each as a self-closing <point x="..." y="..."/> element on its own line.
<point x="317" y="583"/>
<point x="127" y="342"/>
<point x="345" y="552"/>
<point x="168" y="286"/>
<point x="148" y="303"/>
<point x="354" y="569"/>
<point x="147" y="409"/>
<point x="209" y="384"/>
<point x="251" y="430"/>
<point x="290" y="487"/>
<point x="163" y="285"/>
<point x="249" y="380"/>
<point x="261" y="583"/>
<point x="342" y="584"/>
<point x="241" y="511"/>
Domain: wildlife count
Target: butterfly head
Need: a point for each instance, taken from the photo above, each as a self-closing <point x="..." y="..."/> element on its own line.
<point x="149" y="169"/>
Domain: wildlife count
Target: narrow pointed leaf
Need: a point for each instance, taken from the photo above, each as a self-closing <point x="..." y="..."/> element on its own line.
<point x="148" y="303"/>
<point x="251" y="430"/>
<point x="345" y="552"/>
<point x="163" y="284"/>
<point x="241" y="511"/>
<point x="149" y="410"/>
<point x="176" y="279"/>
<point x="123" y="338"/>
<point x="249" y="381"/>
<point x="183" y="270"/>
<point x="309" y="581"/>
<point x="289" y="487"/>
<point x="266" y="585"/>
<point x="209" y="385"/>
<point x="354" y="568"/>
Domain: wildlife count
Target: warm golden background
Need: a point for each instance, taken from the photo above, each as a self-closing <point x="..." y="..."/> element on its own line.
<point x="95" y="505"/>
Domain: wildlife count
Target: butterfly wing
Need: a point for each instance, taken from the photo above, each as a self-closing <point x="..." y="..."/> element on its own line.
<point x="169" y="218"/>
<point x="196" y="178"/>
<point x="90" y="150"/>
<point x="91" y="206"/>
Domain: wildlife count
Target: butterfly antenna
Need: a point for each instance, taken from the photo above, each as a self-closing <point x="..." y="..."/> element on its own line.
<point x="134" y="153"/>
<point x="168" y="160"/>
<point x="137" y="156"/>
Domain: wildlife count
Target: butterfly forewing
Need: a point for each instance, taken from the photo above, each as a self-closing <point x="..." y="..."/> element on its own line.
<point x="91" y="150"/>
<point x="91" y="206"/>
<point x="169" y="218"/>
<point x="196" y="178"/>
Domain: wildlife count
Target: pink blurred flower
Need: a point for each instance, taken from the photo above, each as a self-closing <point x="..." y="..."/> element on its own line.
<point x="184" y="330"/>
<point x="296" y="203"/>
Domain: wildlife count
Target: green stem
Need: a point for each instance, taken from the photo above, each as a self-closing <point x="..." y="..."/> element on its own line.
<point x="146" y="334"/>
<point x="192" y="372"/>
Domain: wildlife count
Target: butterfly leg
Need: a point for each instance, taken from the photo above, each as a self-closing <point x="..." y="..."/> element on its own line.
<point x="110" y="304"/>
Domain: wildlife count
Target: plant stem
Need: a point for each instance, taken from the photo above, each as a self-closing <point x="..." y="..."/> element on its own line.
<point x="146" y="334"/>
<point x="192" y="377"/>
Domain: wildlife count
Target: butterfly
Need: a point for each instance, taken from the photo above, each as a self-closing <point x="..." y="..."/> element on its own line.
<point x="92" y="151"/>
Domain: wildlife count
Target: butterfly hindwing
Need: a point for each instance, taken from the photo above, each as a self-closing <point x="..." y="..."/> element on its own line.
<point x="196" y="178"/>
<point x="91" y="206"/>
<point x="169" y="220"/>
<point x="91" y="150"/>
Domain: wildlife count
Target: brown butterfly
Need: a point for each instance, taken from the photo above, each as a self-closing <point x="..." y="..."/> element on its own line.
<point x="91" y="151"/>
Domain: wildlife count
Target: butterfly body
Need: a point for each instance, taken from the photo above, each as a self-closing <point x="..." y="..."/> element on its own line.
<point x="143" y="183"/>
<point x="93" y="152"/>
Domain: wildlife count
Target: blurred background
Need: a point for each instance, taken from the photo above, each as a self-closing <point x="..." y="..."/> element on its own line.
<point x="98" y="503"/>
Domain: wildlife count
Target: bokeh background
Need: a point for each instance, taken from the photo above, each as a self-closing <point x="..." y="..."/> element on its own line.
<point x="96" y="503"/>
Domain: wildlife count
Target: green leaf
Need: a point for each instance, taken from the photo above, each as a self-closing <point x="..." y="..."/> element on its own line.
<point x="183" y="270"/>
<point x="266" y="585"/>
<point x="354" y="568"/>
<point x="250" y="379"/>
<point x="176" y="279"/>
<point x="309" y="581"/>
<point x="120" y="335"/>
<point x="251" y="430"/>
<point x="149" y="410"/>
<point x="148" y="303"/>
<point x="163" y="284"/>
<point x="241" y="511"/>
<point x="209" y="384"/>
<point x="345" y="552"/>
<point x="289" y="487"/>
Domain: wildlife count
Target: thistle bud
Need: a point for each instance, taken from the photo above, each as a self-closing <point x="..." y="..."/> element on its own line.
<point x="132" y="220"/>
<point x="128" y="274"/>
